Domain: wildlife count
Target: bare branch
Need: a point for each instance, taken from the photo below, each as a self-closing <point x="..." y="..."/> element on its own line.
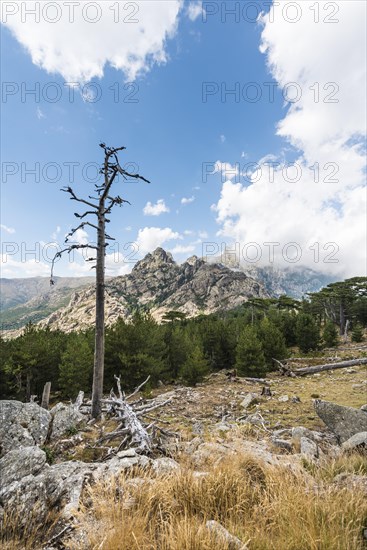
<point x="138" y="388"/>
<point x="75" y="198"/>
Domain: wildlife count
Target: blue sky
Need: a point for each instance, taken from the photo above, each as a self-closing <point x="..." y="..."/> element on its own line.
<point x="173" y="134"/>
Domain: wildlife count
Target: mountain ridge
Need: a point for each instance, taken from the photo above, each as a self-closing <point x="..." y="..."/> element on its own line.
<point x="156" y="283"/>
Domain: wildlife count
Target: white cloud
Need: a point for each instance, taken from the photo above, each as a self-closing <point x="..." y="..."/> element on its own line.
<point x="187" y="200"/>
<point x="7" y="229"/>
<point x="155" y="209"/>
<point x="189" y="232"/>
<point x="227" y="171"/>
<point x="222" y="138"/>
<point x="271" y="208"/>
<point x="65" y="40"/>
<point x="149" y="238"/>
<point x="40" y="114"/>
<point x="56" y="233"/>
<point x="182" y="249"/>
<point x="11" y="268"/>
<point x="194" y="10"/>
<point x="203" y="234"/>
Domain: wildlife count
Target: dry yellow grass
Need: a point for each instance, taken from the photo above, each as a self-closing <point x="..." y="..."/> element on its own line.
<point x="270" y="508"/>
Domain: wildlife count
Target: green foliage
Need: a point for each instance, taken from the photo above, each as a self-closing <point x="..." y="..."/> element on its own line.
<point x="272" y="342"/>
<point x="50" y="454"/>
<point x="195" y="367"/>
<point x="357" y="333"/>
<point x="76" y="367"/>
<point x="307" y="333"/>
<point x="250" y="359"/>
<point x="330" y="335"/>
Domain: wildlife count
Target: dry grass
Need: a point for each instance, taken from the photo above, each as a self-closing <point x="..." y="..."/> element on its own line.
<point x="20" y="533"/>
<point x="272" y="508"/>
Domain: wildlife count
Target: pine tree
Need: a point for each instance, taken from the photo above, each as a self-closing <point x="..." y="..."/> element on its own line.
<point x="76" y="368"/>
<point x="272" y="341"/>
<point x="330" y="335"/>
<point x="195" y="367"/>
<point x="307" y="333"/>
<point x="357" y="333"/>
<point x="250" y="358"/>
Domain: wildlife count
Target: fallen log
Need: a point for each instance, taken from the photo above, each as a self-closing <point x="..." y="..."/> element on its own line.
<point x="330" y="366"/>
<point x="135" y="433"/>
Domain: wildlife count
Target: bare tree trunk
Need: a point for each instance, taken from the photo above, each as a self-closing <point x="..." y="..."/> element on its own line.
<point x="330" y="366"/>
<point x="97" y="392"/>
<point x="28" y="387"/>
<point x="46" y="395"/>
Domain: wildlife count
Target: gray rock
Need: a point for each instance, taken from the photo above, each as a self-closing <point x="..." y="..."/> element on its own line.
<point x="22" y="425"/>
<point x="309" y="449"/>
<point x="21" y="463"/>
<point x="165" y="465"/>
<point x="283" y="398"/>
<point x="364" y="408"/>
<point x="65" y="417"/>
<point x="224" y="537"/>
<point x="250" y="399"/>
<point x="351" y="481"/>
<point x="344" y="422"/>
<point x="282" y="444"/>
<point x="300" y="431"/>
<point x="357" y="441"/>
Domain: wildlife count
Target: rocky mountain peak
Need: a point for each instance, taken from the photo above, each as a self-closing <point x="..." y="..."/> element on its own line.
<point x="154" y="260"/>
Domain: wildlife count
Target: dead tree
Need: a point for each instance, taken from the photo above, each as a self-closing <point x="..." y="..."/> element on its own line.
<point x="131" y="430"/>
<point x="46" y="395"/>
<point x="100" y="206"/>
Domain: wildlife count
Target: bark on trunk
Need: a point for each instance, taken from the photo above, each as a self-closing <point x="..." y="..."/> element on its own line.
<point x="46" y="395"/>
<point x="97" y="391"/>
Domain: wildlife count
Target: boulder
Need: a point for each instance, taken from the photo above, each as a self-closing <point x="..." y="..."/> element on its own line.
<point x="356" y="442"/>
<point x="165" y="465"/>
<point x="250" y="399"/>
<point x="344" y="422"/>
<point x="22" y="425"/>
<point x="309" y="449"/>
<point x="64" y="418"/>
<point x="282" y="444"/>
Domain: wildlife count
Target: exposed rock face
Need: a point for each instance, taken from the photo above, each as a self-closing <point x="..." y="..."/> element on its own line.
<point x="22" y="424"/>
<point x="159" y="284"/>
<point x="357" y="441"/>
<point x="343" y="421"/>
<point x="65" y="417"/>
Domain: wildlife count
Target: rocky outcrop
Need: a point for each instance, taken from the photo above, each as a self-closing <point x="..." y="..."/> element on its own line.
<point x="28" y="424"/>
<point x="344" y="422"/>
<point x="22" y="425"/>
<point x="158" y="284"/>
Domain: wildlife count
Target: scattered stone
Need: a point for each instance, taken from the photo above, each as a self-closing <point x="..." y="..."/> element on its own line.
<point x="224" y="537"/>
<point x="250" y="399"/>
<point x="266" y="391"/>
<point x="296" y="399"/>
<point x="300" y="431"/>
<point x="282" y="444"/>
<point x="165" y="465"/>
<point x="364" y="408"/>
<point x="221" y="427"/>
<point x="351" y="481"/>
<point x="197" y="428"/>
<point x="309" y="449"/>
<point x="283" y="398"/>
<point x="342" y="421"/>
<point x="350" y="371"/>
<point x="356" y="442"/>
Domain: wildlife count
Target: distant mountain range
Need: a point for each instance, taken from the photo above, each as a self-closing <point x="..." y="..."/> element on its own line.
<point x="156" y="283"/>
